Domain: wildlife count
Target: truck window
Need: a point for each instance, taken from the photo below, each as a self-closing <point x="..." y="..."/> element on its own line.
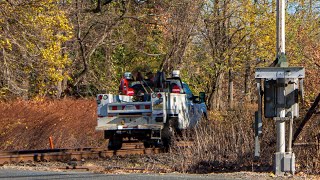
<point x="175" y="86"/>
<point x="187" y="90"/>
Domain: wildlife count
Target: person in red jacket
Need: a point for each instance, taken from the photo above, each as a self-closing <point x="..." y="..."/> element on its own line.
<point x="124" y="88"/>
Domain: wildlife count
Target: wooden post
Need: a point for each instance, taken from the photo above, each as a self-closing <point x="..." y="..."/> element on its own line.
<point x="51" y="142"/>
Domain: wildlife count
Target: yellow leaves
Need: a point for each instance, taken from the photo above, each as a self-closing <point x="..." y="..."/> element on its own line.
<point x="8" y="44"/>
<point x="38" y="99"/>
<point x="267" y="38"/>
<point x="272" y="175"/>
<point x="55" y="61"/>
<point x="5" y="43"/>
<point x="54" y="26"/>
<point x="3" y="91"/>
<point x="38" y="29"/>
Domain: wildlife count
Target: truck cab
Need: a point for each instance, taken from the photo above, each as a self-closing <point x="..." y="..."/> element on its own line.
<point x="195" y="107"/>
<point x="183" y="106"/>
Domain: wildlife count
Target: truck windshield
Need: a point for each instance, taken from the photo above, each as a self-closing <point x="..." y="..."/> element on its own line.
<point x="187" y="90"/>
<point x="175" y="85"/>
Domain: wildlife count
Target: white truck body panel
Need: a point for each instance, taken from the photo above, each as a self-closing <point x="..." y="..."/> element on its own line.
<point x="118" y="112"/>
<point x="178" y="107"/>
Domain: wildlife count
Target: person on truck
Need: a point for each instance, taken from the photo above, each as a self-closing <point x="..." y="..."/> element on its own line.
<point x="139" y="76"/>
<point x="124" y="88"/>
<point x="150" y="78"/>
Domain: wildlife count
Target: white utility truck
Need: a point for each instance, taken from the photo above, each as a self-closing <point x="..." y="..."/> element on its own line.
<point x="150" y="112"/>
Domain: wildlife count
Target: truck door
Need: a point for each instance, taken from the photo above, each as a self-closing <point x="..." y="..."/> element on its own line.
<point x="191" y="105"/>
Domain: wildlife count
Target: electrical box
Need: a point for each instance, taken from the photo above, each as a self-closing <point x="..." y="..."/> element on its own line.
<point x="289" y="102"/>
<point x="291" y="95"/>
<point x="281" y="90"/>
<point x="270" y="95"/>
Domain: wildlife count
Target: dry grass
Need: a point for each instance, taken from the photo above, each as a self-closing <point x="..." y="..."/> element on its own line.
<point x="29" y="124"/>
<point x="227" y="145"/>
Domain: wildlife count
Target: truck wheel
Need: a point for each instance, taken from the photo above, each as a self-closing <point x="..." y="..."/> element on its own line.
<point x="148" y="144"/>
<point x="115" y="143"/>
<point x="166" y="137"/>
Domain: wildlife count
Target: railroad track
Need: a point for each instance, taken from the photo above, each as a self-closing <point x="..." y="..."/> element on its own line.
<point x="76" y="154"/>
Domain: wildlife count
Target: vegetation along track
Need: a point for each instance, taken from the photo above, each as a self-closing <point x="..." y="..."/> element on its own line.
<point x="75" y="154"/>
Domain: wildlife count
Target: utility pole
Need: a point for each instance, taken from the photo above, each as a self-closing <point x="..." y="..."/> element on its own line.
<point x="281" y="51"/>
<point x="281" y="26"/>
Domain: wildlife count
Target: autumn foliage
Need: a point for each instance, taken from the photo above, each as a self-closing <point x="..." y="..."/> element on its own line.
<point x="54" y="49"/>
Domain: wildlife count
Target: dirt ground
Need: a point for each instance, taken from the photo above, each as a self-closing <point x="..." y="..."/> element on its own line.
<point x="29" y="124"/>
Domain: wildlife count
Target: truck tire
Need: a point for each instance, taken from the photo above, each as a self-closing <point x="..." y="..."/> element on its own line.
<point x="115" y="143"/>
<point x="167" y="133"/>
<point x="166" y="137"/>
<point x="149" y="143"/>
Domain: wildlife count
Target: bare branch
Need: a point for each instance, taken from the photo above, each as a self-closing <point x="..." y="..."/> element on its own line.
<point x="150" y="54"/>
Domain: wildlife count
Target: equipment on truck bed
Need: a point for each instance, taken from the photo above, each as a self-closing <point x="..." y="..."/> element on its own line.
<point x="149" y="115"/>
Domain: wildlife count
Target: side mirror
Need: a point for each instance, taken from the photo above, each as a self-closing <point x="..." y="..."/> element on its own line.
<point x="202" y="97"/>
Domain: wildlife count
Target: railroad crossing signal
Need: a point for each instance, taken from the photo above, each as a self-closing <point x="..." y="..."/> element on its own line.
<point x="280" y="88"/>
<point x="279" y="84"/>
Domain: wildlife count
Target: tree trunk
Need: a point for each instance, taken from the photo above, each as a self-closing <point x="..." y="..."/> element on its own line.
<point x="3" y="70"/>
<point x="6" y="72"/>
<point x="216" y="101"/>
<point x="26" y="86"/>
<point x="230" y="87"/>
<point x="2" y="67"/>
<point x="210" y="97"/>
<point x="109" y="65"/>
<point x="310" y="8"/>
<point x="98" y="8"/>
<point x="59" y="87"/>
<point x="247" y="79"/>
<point x="273" y="5"/>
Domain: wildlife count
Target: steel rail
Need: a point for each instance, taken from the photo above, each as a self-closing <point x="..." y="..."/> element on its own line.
<point x="76" y="154"/>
